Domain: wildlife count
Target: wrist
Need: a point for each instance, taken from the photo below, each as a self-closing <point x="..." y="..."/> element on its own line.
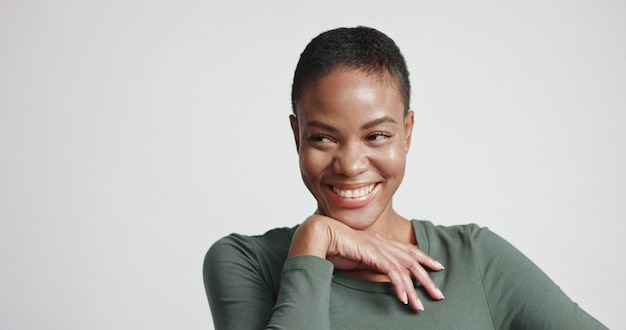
<point x="311" y="238"/>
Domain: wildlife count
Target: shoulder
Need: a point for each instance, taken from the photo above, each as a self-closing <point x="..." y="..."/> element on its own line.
<point x="463" y="234"/>
<point x="273" y="243"/>
<point x="469" y="240"/>
<point x="239" y="257"/>
<point x="480" y="243"/>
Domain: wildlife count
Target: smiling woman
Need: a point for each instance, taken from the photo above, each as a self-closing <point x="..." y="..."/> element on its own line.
<point x="356" y="263"/>
<point x="352" y="137"/>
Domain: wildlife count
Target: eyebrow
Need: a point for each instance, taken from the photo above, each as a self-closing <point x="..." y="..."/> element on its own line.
<point x="326" y="127"/>
<point x="385" y="119"/>
<point x="321" y="125"/>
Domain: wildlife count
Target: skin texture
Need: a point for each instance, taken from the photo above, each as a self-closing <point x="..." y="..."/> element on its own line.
<point x="352" y="134"/>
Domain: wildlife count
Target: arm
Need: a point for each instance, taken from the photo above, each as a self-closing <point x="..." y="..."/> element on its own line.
<point x="242" y="297"/>
<point x="350" y="249"/>
<point x="520" y="295"/>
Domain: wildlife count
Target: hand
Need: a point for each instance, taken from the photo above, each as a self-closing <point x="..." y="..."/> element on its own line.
<point x="350" y="249"/>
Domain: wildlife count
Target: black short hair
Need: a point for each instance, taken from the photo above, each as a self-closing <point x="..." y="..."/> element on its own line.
<point x="361" y="48"/>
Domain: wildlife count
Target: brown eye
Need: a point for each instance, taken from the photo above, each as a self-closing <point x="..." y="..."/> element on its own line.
<point x="319" y="138"/>
<point x="376" y="136"/>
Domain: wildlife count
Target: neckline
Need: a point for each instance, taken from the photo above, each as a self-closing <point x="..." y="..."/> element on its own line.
<point x="383" y="287"/>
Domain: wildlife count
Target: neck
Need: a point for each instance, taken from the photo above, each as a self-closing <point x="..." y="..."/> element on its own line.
<point x="403" y="233"/>
<point x="394" y="227"/>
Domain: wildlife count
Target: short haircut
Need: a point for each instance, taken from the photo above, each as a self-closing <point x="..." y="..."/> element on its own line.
<point x="361" y="48"/>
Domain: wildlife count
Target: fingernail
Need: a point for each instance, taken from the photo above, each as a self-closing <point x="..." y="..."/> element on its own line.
<point x="440" y="293"/>
<point x="420" y="306"/>
<point x="405" y="299"/>
<point x="439" y="265"/>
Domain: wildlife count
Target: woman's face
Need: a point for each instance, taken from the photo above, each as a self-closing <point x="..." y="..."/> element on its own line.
<point x="352" y="137"/>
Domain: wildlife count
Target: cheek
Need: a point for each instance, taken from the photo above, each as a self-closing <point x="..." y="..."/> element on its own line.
<point x="391" y="162"/>
<point x="312" y="164"/>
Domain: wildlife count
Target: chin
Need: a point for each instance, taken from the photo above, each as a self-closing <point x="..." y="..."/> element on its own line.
<point x="358" y="219"/>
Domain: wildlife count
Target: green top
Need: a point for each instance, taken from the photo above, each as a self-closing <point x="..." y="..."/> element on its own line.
<point x="488" y="284"/>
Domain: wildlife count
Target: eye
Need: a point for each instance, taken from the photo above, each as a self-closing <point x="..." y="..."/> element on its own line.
<point x="319" y="138"/>
<point x="377" y="136"/>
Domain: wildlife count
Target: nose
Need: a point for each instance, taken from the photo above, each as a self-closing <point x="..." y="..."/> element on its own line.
<point x="350" y="161"/>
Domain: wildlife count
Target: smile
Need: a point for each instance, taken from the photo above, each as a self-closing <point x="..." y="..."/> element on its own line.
<point x="354" y="193"/>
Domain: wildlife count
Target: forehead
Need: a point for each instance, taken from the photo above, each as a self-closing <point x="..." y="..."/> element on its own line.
<point x="354" y="94"/>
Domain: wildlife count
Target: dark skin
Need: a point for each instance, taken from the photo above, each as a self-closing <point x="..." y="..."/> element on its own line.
<point x="352" y="135"/>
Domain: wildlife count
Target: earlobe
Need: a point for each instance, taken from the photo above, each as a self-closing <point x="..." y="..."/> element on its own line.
<point x="296" y="131"/>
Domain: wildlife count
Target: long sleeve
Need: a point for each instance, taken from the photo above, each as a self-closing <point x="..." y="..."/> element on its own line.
<point x="304" y="295"/>
<point x="251" y="284"/>
<point x="519" y="294"/>
<point x="246" y="291"/>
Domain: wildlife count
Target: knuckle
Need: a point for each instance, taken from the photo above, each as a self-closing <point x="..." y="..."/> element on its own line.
<point x="394" y="271"/>
<point x="418" y="271"/>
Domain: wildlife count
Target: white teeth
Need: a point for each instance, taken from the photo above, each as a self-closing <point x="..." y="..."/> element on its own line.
<point x="354" y="193"/>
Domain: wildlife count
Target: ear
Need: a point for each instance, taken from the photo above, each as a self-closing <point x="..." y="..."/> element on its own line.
<point x="409" y="119"/>
<point x="296" y="131"/>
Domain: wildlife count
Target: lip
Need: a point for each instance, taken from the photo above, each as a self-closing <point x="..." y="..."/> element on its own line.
<point x="350" y="202"/>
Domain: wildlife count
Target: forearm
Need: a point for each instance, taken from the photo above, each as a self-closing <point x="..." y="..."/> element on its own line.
<point x="242" y="295"/>
<point x="304" y="296"/>
<point x="523" y="296"/>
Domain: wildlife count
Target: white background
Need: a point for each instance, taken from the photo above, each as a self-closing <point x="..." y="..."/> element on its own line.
<point x="133" y="134"/>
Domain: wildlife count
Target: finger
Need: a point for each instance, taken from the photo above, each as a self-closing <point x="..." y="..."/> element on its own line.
<point x="418" y="272"/>
<point x="423" y="278"/>
<point x="414" y="299"/>
<point x="392" y="263"/>
<point x="419" y="255"/>
<point x="405" y="291"/>
<point x="399" y="265"/>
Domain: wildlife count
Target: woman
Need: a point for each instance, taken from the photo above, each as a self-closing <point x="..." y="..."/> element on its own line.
<point x="356" y="263"/>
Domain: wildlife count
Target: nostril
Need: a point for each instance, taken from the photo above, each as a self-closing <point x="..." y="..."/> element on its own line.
<point x="350" y="164"/>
